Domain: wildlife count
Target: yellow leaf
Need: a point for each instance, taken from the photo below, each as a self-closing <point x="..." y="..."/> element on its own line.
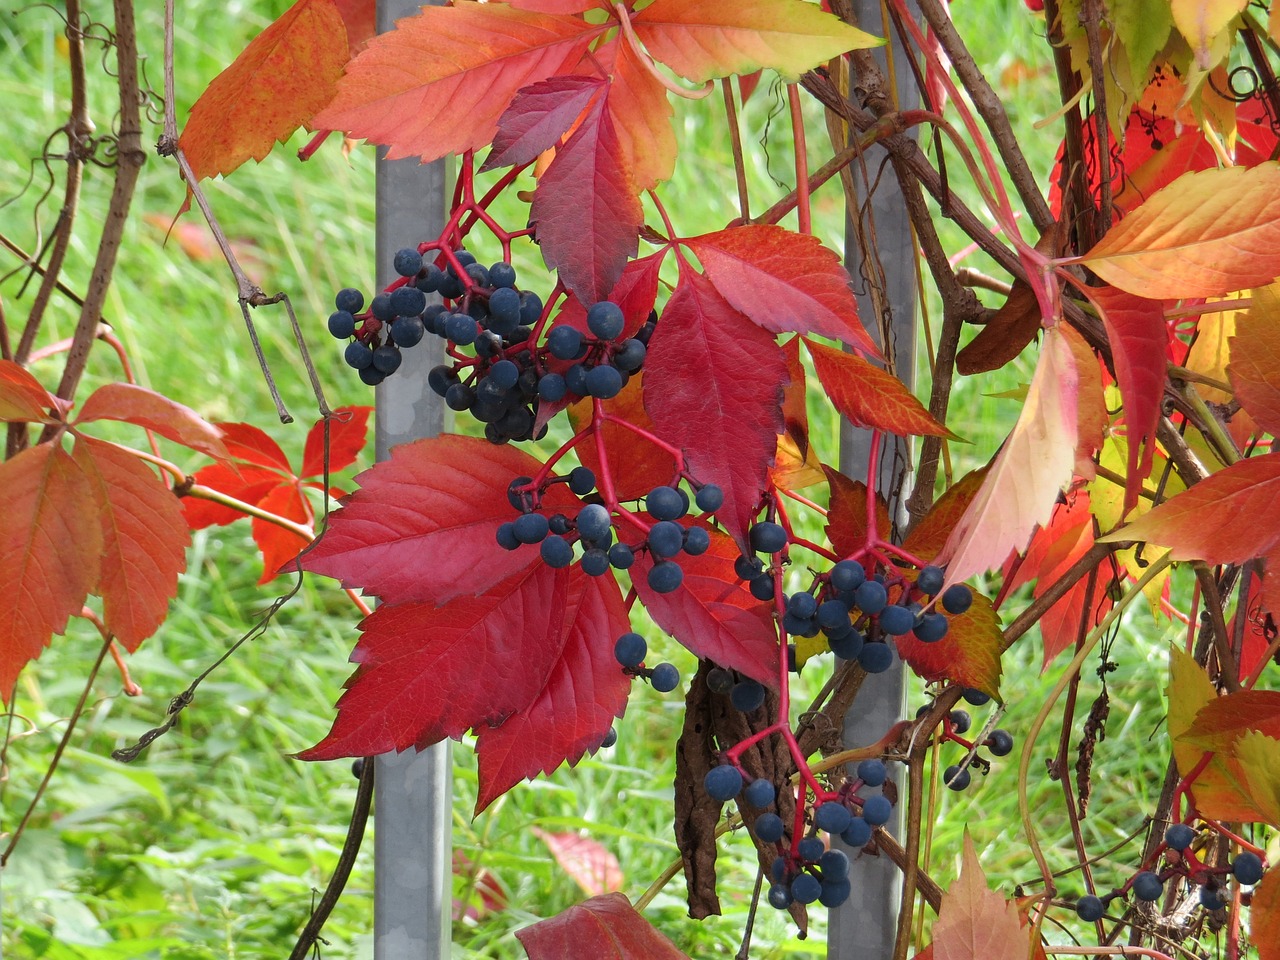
<point x="1259" y="757"/>
<point x="1204" y="21"/>
<point x="1206" y="234"/>
<point x="1255" y="358"/>
<point x="1210" y="353"/>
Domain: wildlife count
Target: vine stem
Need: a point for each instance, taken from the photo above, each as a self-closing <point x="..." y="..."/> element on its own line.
<point x="803" y="212"/>
<point x="735" y="141"/>
<point x="628" y="31"/>
<point x="1119" y="950"/>
<point x="1024" y="760"/>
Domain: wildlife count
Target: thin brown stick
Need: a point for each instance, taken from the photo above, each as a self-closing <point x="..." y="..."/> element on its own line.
<point x="911" y="868"/>
<point x="735" y="141"/>
<point x="1228" y="669"/>
<point x="1091" y="14"/>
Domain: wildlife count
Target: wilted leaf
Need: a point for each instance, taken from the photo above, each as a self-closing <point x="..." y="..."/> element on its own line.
<point x="713" y="613"/>
<point x="589" y="862"/>
<point x="1255" y="359"/>
<point x="438" y="83"/>
<point x="427" y="672"/>
<point x="1229" y="517"/>
<point x="870" y="397"/>
<point x="976" y="922"/>
<point x="1031" y="468"/>
<point x="603" y="928"/>
<point x="538" y="117"/>
<point x="277" y="84"/>
<point x="574" y="709"/>
<point x="144" y="539"/>
<point x="21" y="395"/>
<point x="586" y="210"/>
<point x="785" y="282"/>
<point x="705" y="39"/>
<point x="1208" y="233"/>
<point x="50" y="544"/>
<point x="138" y="405"/>
<point x="727" y="418"/>
<point x="423" y="526"/>
<point x="1013" y="326"/>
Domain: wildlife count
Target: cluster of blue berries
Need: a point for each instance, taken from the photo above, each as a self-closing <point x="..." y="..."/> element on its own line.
<point x="999" y="743"/>
<point x="1148" y="885"/>
<point x="593" y="530"/>
<point x="630" y="651"/>
<point x="814" y="873"/>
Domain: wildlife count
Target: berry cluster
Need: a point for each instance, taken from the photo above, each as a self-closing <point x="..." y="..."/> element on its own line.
<point x="593" y="529"/>
<point x="630" y="651"/>
<point x="999" y="743"/>
<point x="1148" y="885"/>
<point x="805" y="870"/>
<point x="507" y="373"/>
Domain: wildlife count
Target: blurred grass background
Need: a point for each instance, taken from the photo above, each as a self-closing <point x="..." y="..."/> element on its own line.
<point x="213" y="843"/>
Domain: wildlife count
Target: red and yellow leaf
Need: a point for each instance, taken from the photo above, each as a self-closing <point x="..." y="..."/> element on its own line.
<point x="581" y="696"/>
<point x="969" y="654"/>
<point x="642" y="116"/>
<point x="423" y="526"/>
<point x="726" y="419"/>
<point x="50" y="549"/>
<point x="1230" y="517"/>
<point x="975" y="921"/>
<point x="538" y="117"/>
<point x="1031" y="468"/>
<point x="785" y="282"/>
<point x="277" y="84"/>
<point x="870" y="397"/>
<point x="705" y="39"/>
<point x="1255" y="359"/>
<point x="427" y="672"/>
<point x="144" y="540"/>
<point x="796" y="463"/>
<point x="602" y="928"/>
<point x="1259" y="758"/>
<point x="21" y="395"/>
<point x="586" y="210"/>
<point x="928" y="536"/>
<point x="847" y="513"/>
<point x="137" y="405"/>
<point x="438" y="83"/>
<point x="713" y="613"/>
<point x="589" y="862"/>
<point x="1264" y="914"/>
<point x="1208" y="233"/>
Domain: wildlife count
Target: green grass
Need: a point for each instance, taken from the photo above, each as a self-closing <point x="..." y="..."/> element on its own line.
<point x="211" y="845"/>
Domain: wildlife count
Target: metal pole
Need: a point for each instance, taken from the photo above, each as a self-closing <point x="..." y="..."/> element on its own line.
<point x="413" y="878"/>
<point x="865" y="926"/>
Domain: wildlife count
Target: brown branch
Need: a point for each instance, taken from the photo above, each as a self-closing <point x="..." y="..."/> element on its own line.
<point x="1090" y="15"/>
<point x="1228" y="669"/>
<point x="1056" y="591"/>
<point x="735" y="141"/>
<point x="911" y="855"/>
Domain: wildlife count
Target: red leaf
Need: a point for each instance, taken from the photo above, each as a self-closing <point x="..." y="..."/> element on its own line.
<point x="248" y="485"/>
<point x="847" y="513"/>
<point x="280" y="81"/>
<point x="1223" y="719"/>
<point x="280" y="546"/>
<point x="348" y="431"/>
<point x="1139" y="338"/>
<point x="1255" y="360"/>
<point x="586" y="210"/>
<point x="713" y="613"/>
<point x="635" y="465"/>
<point x="249" y="444"/>
<point x="927" y="537"/>
<point x="783" y="281"/>
<point x="360" y="18"/>
<point x="713" y="387"/>
<point x="140" y="406"/>
<point x="438" y="83"/>
<point x="590" y="863"/>
<point x="423" y="525"/>
<point x="144" y="540"/>
<point x="603" y="928"/>
<point x="50" y="544"/>
<point x="641" y="115"/>
<point x="21" y="395"/>
<point x="1060" y="625"/>
<point x="1230" y="517"/>
<point x="555" y="6"/>
<point x="706" y="39"/>
<point x="576" y="705"/>
<point x="975" y="921"/>
<point x="870" y="397"/>
<point x="426" y="672"/>
<point x="538" y="117"/>
<point x="636" y="293"/>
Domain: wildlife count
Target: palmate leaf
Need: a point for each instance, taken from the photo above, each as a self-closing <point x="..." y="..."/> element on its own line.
<point x="602" y="928"/>
<point x="438" y="83"/>
<point x="975" y="921"/>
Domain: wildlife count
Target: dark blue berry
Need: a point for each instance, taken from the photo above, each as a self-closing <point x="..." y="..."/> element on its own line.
<point x="810" y="849"/>
<point x="386" y="359"/>
<point x="666" y="538"/>
<point x="502" y="274"/>
<point x="1000" y="743"/>
<point x="551" y="387"/>
<point x="530" y="307"/>
<point x="595" y="562"/>
<point x="858" y="833"/>
<point x="664" y="503"/>
<point x="507" y="536"/>
<point x="380" y="307"/>
<point x="576" y="380"/>
<point x="960" y="720"/>
<point x="747" y="568"/>
<point x="832" y="817"/>
<point x="767" y="537"/>
<point x="604" y="382"/>
<point x="709" y="498"/>
<point x="621" y="556"/>
<point x="872" y="772"/>
<point x="806" y="888"/>
<point x="876" y="657"/>
<point x="769" y="828"/>
<point x="408" y="301"/>
<point x="697" y="541"/>
<point x="847" y="575"/>
<point x="1089" y="908"/>
<point x="407" y="262"/>
<point x="556" y="551"/>
<point x="349" y="299"/>
<point x="631" y="357"/>
<point x="504" y="374"/>
<point x="802" y="605"/>
<point x="932" y="628"/>
<point x="930" y="579"/>
<point x="459" y="397"/>
<point x="461" y="329"/>
<point x="1147" y="886"/>
<point x="605" y="320"/>
<point x="665" y="576"/>
<point x="407" y="331"/>
<point x="975" y="698"/>
<point x="835" y="892"/>
<point x="895" y="620"/>
<point x="531" y="528"/>
<point x="956" y="778"/>
<point x="1179" y="836"/>
<point x="847" y="646"/>
<point x="1247" y="868"/>
<point x="565" y="343"/>
<point x="358" y="355"/>
<point x="610" y="739"/>
<point x="747" y="695"/>
<point x="877" y="810"/>
<point x="833" y="615"/>
<point x="762" y="587"/>
<point x="664" y="678"/>
<point x="341" y="324"/>
<point x="760" y="793"/>
<point x="432" y="277"/>
<point x="780" y="896"/>
<point x="722" y="783"/>
<point x="957" y="599"/>
<point x="871" y="598"/>
<point x="630" y="649"/>
<point x="593" y="522"/>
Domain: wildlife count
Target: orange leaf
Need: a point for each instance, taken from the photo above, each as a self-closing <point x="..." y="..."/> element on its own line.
<point x="50" y="545"/>
<point x="438" y="83"/>
<point x="278" y="545"/>
<point x="590" y="863"/>
<point x="705" y="39"/>
<point x="1208" y="233"/>
<point x="246" y="484"/>
<point x="280" y="81"/>
<point x="969" y="654"/>
<point x="870" y="397"/>
<point x="144" y="540"/>
<point x="1264" y="917"/>
<point x="21" y="395"/>
<point x="361" y="21"/>
<point x="1022" y="484"/>
<point x="138" y="405"/>
<point x="927" y="537"/>
<point x="976" y="922"/>
<point x="642" y="117"/>
<point x="1255" y="359"/>
<point x="636" y="465"/>
<point x="796" y="463"/>
<point x="1230" y="517"/>
<point x="847" y="513"/>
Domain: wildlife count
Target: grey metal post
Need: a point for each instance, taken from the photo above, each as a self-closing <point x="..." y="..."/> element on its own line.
<point x="413" y="803"/>
<point x="865" y="926"/>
